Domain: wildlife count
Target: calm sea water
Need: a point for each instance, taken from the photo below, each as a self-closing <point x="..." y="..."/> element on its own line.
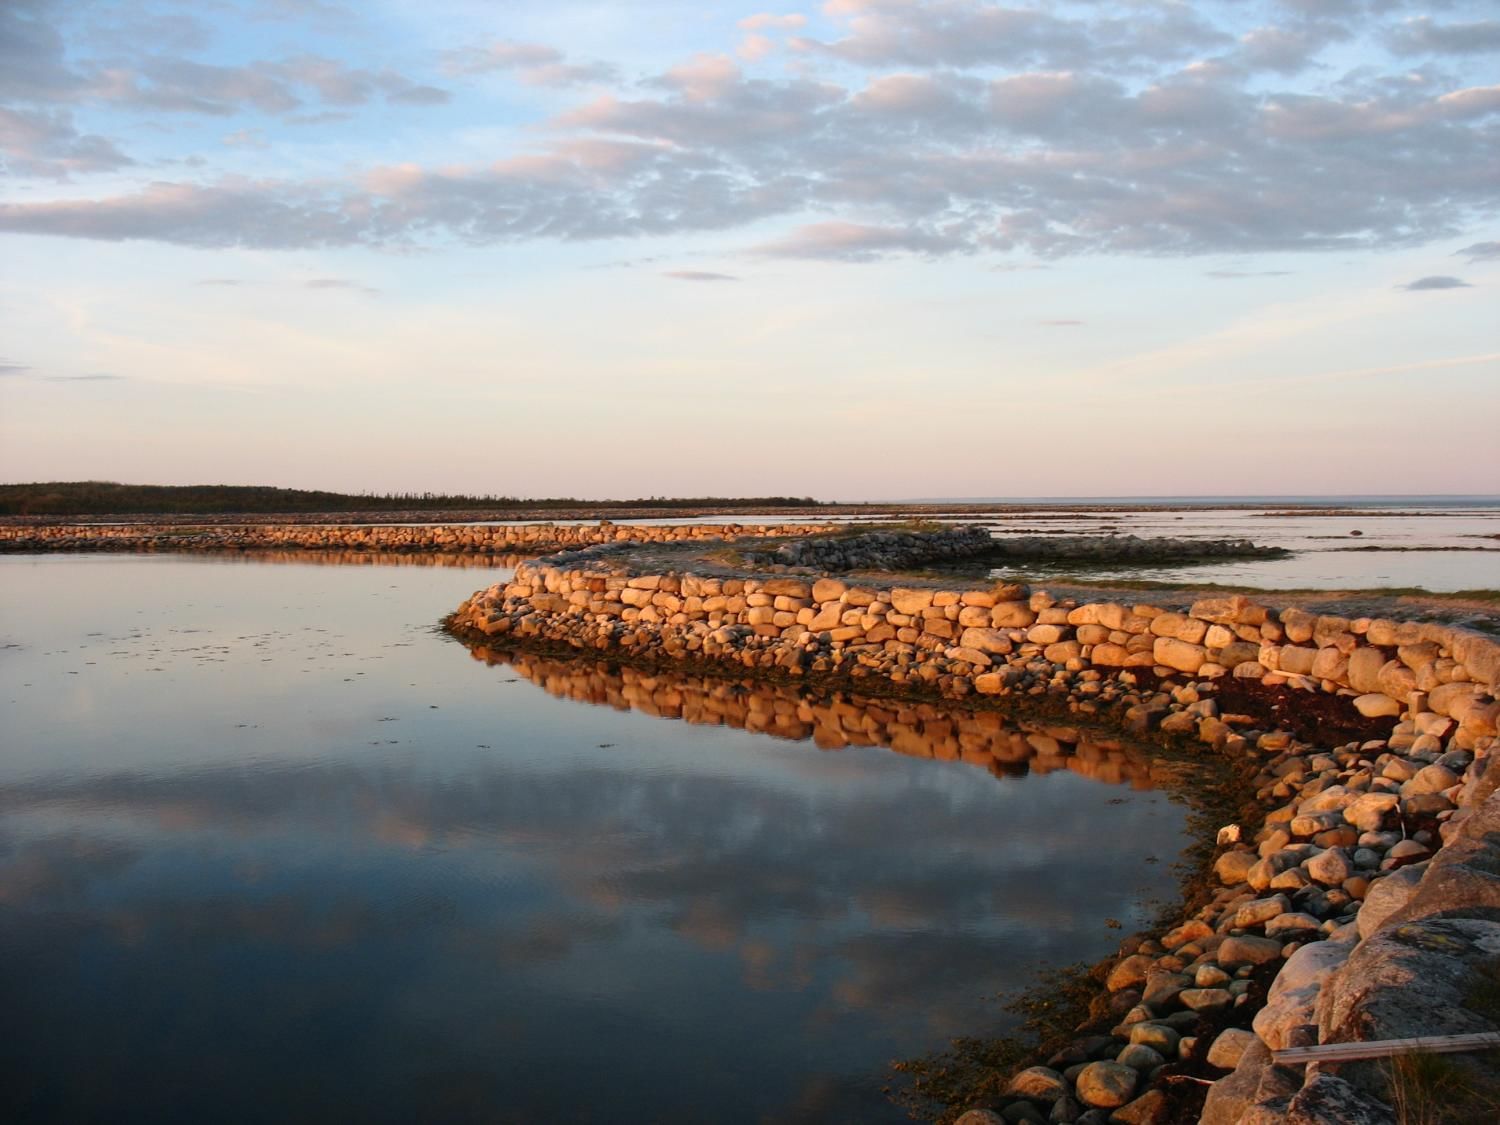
<point x="1441" y="547"/>
<point x="271" y="848"/>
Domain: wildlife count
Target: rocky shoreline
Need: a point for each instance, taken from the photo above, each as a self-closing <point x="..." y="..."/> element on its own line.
<point x="503" y="539"/>
<point x="1363" y="881"/>
<point x="896" y="550"/>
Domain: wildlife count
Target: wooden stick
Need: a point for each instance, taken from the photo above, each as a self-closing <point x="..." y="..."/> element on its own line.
<point x="1385" y="1048"/>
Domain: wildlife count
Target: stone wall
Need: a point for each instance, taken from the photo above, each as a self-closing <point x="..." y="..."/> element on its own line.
<point x="456" y="538"/>
<point x="877" y="550"/>
<point x="998" y="640"/>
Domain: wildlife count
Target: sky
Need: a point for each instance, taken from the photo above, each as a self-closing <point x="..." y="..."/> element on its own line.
<point x="863" y="249"/>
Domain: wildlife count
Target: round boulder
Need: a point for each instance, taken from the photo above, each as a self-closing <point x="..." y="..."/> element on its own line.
<point x="1106" y="1085"/>
<point x="1038" y="1084"/>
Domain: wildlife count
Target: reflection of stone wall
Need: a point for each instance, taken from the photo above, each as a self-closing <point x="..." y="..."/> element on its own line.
<point x="921" y="730"/>
<point x="477" y="560"/>
<point x="532" y="539"/>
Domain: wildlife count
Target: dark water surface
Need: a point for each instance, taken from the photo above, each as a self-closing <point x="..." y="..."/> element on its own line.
<point x="273" y="849"/>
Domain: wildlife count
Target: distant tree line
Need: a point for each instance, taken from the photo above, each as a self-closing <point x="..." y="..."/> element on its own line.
<point x="100" y="498"/>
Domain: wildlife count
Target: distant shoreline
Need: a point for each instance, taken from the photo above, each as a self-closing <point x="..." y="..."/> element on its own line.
<point x="92" y="500"/>
<point x="615" y="511"/>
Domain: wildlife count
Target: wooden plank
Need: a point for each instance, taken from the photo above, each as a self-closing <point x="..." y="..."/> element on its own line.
<point x="1385" y="1048"/>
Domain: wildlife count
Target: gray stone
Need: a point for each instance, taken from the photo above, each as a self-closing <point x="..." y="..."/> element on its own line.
<point x="1157" y="1036"/>
<point x="1368" y="812"/>
<point x="1232" y="867"/>
<point x="1330" y="867"/>
<point x="1311" y="965"/>
<point x="1039" y="1084"/>
<point x="1106" y="1084"/>
<point x="1329" y="1100"/>
<point x="1375" y="705"/>
<point x="1147" y="1109"/>
<point x="1430" y="779"/>
<point x="1138" y="1056"/>
<point x="1129" y="973"/>
<point x="1206" y="999"/>
<point x="1279" y="1022"/>
<point x="1284" y="925"/>
<point x="1252" y="1093"/>
<point x="1406" y="853"/>
<point x="1236" y="951"/>
<point x="1408" y="979"/>
<point x="1257" y="911"/>
<point x="1162" y="988"/>
<point x="1386" y="896"/>
<point x="1231" y="1045"/>
<point x="1023" y="1113"/>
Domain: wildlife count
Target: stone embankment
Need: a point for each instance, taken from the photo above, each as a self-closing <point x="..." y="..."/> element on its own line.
<point x="1340" y="915"/>
<point x="531" y="539"/>
<point x="1126" y="549"/>
<point x="910" y="550"/>
<point x="876" y="550"/>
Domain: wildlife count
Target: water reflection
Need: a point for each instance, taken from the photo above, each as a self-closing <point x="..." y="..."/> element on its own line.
<point x="476" y="560"/>
<point x="1005" y="746"/>
<point x="437" y="892"/>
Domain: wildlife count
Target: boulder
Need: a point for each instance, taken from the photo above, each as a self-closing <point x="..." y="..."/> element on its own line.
<point x="1149" y="1108"/>
<point x="1230" y="1046"/>
<point x="985" y="640"/>
<point x="1328" y="1100"/>
<point x="1038" y="1084"/>
<point x="1107" y="1085"/>
<point x="1180" y="655"/>
<point x="1375" y="705"/>
<point x="1233" y="867"/>
<point x="1130" y="972"/>
<point x="1236" y="951"/>
<point x="1409" y="979"/>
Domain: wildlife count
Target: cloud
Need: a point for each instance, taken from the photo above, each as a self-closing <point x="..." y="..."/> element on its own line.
<point x="852" y="242"/>
<point x="92" y="377"/>
<point x="1061" y="323"/>
<point x="1436" y="282"/>
<point x="419" y="95"/>
<point x="340" y="283"/>
<point x="38" y="69"/>
<point x="532" y="63"/>
<point x="946" y="127"/>
<point x="754" y="47"/>
<point x="180" y="85"/>
<point x="234" y="213"/>
<point x="767" y="21"/>
<point x="1230" y="275"/>
<point x="224" y="281"/>
<point x="11" y="370"/>
<point x="246" y="138"/>
<point x="1421" y="36"/>
<point x="1481" y="251"/>
<point x="45" y="143"/>
<point x="698" y="275"/>
<point x="973" y="33"/>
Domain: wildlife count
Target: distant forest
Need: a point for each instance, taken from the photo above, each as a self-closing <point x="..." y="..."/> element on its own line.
<point x="106" y="498"/>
